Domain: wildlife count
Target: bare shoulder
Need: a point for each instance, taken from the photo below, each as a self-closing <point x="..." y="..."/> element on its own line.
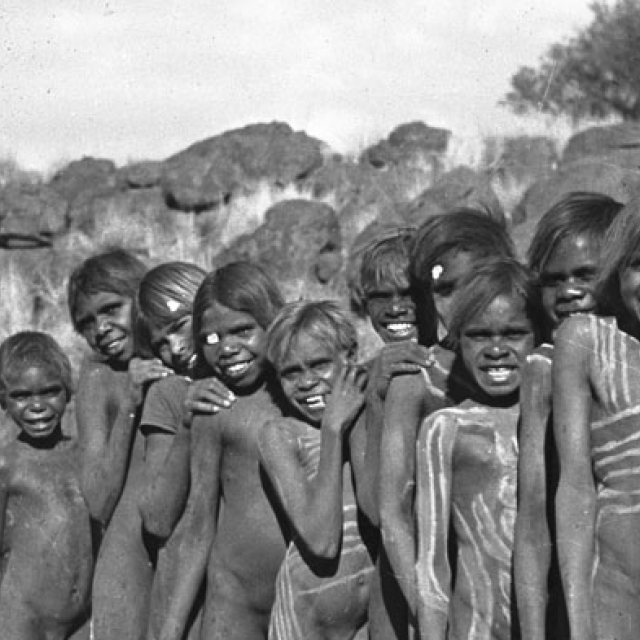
<point x="97" y="380"/>
<point x="576" y="331"/>
<point x="282" y="432"/>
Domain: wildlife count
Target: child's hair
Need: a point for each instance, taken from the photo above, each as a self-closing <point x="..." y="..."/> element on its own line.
<point x="166" y="293"/>
<point x="620" y="248"/>
<point x="580" y="213"/>
<point x="461" y="229"/>
<point x="322" y="319"/>
<point x="114" y="271"/>
<point x="241" y="286"/>
<point x="33" y="348"/>
<point x="495" y="277"/>
<point x="384" y="258"/>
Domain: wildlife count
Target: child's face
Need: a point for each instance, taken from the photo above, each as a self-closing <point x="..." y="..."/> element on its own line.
<point x="568" y="277"/>
<point x="307" y="375"/>
<point x="104" y="321"/>
<point x="36" y="398"/>
<point x="392" y="312"/>
<point x="446" y="276"/>
<point x="494" y="346"/>
<point x="233" y="344"/>
<point x="173" y="344"/>
<point x="630" y="287"/>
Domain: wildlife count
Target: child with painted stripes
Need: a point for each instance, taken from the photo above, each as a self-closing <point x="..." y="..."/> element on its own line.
<point x="466" y="462"/>
<point x="322" y="589"/>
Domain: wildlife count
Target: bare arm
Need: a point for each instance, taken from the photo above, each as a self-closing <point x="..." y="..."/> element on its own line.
<point x="167" y="486"/>
<point x="106" y="417"/>
<point x="532" y="543"/>
<point x="434" y="456"/>
<point x="405" y="408"/>
<point x="315" y="507"/>
<point x="198" y="525"/>
<point x="575" y="501"/>
<point x="396" y="359"/>
<point x="167" y="454"/>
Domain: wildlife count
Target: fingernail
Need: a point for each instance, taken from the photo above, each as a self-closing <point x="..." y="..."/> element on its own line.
<point x="226" y="403"/>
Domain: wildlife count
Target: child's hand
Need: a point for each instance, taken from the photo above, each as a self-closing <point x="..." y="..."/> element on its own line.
<point x="143" y="371"/>
<point x="346" y="399"/>
<point x="398" y="358"/>
<point x="206" y="396"/>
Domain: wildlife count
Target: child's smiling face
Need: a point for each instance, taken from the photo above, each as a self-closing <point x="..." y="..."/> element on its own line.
<point x="36" y="398"/>
<point x="307" y="374"/>
<point x="494" y="346"/>
<point x="173" y="343"/>
<point x="392" y="311"/>
<point x="233" y="344"/>
<point x="104" y="321"/>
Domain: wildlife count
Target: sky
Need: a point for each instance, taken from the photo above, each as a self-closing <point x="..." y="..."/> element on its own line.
<point x="140" y="79"/>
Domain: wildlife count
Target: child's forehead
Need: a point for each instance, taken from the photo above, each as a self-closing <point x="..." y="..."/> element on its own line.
<point x="31" y="371"/>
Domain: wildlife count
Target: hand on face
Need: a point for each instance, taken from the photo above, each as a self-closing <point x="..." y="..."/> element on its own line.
<point x="346" y="399"/>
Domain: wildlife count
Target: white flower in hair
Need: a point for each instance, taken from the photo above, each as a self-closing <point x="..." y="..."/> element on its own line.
<point x="173" y="305"/>
<point x="436" y="272"/>
<point x="212" y="338"/>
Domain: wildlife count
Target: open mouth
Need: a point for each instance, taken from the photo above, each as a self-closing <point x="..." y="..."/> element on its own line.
<point x="112" y="347"/>
<point x="400" y="329"/>
<point x="499" y="374"/>
<point x="41" y="425"/>
<point x="313" y="402"/>
<point x="235" y="369"/>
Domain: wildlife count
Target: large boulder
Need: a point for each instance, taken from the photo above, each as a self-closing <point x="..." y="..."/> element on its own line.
<point x="141" y="175"/>
<point x="31" y="216"/>
<point x="619" y="143"/>
<point x="211" y="172"/>
<point x="520" y="159"/>
<point x="589" y="174"/>
<point x="410" y="142"/>
<point x="299" y="240"/>
<point x="84" y="179"/>
<point x="460" y="187"/>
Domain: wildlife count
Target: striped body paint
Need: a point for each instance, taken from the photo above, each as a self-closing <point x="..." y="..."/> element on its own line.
<point x="466" y="469"/>
<point x="328" y="600"/>
<point x="615" y="450"/>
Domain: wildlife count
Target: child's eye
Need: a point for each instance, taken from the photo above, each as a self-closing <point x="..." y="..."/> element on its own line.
<point x="212" y="338"/>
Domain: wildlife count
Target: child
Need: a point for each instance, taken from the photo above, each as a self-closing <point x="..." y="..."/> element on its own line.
<point x="466" y="462"/>
<point x="231" y="533"/>
<point x="379" y="288"/>
<point x="596" y="400"/>
<point x="565" y="255"/>
<point x="163" y="310"/>
<point x="323" y="585"/>
<point x="45" y="529"/>
<point x="378" y="280"/>
<point x="445" y="249"/>
<point x="100" y="295"/>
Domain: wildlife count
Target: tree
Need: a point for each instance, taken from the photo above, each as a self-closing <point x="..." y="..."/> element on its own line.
<point x="595" y="73"/>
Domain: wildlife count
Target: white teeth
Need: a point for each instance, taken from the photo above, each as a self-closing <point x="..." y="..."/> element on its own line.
<point x="236" y="369"/>
<point x="499" y="374"/>
<point x="314" y="402"/>
<point x="400" y="328"/>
